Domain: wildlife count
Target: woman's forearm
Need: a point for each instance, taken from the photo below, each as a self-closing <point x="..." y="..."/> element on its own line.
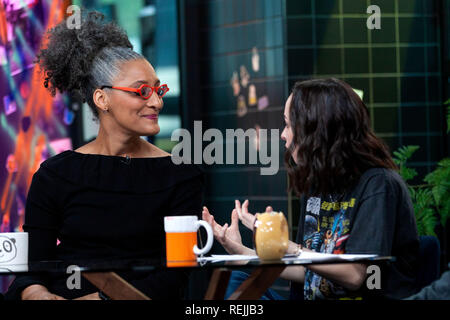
<point x="349" y="275"/>
<point x="247" y="251"/>
<point x="294" y="273"/>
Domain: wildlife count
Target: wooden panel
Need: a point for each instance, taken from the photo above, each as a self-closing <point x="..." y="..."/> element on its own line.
<point x="114" y="286"/>
<point x="258" y="282"/>
<point x="218" y="284"/>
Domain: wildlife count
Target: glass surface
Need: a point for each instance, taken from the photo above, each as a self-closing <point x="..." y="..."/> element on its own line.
<point x="142" y="265"/>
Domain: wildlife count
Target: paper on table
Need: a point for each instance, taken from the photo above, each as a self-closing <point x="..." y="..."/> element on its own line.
<point x="321" y="257"/>
<point x="305" y="256"/>
<point x="227" y="257"/>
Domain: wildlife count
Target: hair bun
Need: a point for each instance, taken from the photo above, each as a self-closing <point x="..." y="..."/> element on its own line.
<point x="68" y="57"/>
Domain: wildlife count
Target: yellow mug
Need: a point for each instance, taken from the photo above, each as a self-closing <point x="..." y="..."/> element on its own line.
<point x="271" y="235"/>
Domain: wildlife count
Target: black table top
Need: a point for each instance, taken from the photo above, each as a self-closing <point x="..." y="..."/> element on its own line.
<point x="143" y="265"/>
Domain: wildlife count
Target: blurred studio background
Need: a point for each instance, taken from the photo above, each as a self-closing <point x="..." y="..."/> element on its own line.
<point x="231" y="64"/>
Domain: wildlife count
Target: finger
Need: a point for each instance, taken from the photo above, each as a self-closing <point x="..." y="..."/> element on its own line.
<point x="216" y="227"/>
<point x="222" y="232"/>
<point x="211" y="221"/>
<point x="237" y="206"/>
<point x="269" y="209"/>
<point x="245" y="207"/>
<point x="225" y="227"/>
<point x="234" y="219"/>
<point x="209" y="218"/>
<point x="205" y="213"/>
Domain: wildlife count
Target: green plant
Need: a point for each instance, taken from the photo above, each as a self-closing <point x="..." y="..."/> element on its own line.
<point x="448" y="115"/>
<point x="431" y="200"/>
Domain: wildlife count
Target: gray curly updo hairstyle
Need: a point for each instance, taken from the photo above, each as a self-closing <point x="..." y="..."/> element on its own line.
<point x="78" y="61"/>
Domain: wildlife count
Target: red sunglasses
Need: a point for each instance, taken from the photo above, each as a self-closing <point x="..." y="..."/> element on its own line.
<point x="145" y="91"/>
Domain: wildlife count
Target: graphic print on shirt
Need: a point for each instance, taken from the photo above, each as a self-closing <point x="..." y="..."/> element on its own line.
<point x="326" y="230"/>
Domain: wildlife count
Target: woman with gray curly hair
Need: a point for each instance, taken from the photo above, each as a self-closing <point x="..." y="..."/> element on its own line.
<point x="106" y="199"/>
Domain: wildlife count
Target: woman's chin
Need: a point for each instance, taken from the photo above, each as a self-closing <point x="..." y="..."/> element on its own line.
<point x="153" y="131"/>
<point x="145" y="132"/>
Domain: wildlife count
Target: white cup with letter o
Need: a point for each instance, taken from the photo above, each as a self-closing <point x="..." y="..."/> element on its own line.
<point x="13" y="251"/>
<point x="181" y="240"/>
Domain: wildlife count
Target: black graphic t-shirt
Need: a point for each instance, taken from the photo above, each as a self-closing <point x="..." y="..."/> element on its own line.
<point x="376" y="217"/>
<point x="326" y="230"/>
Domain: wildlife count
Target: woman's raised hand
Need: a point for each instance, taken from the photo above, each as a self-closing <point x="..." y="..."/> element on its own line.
<point x="247" y="218"/>
<point x="228" y="236"/>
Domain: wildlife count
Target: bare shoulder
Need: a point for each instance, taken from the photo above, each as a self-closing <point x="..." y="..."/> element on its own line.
<point x="87" y="148"/>
<point x="156" y="152"/>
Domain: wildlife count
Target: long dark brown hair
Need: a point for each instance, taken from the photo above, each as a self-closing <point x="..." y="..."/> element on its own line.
<point x="336" y="145"/>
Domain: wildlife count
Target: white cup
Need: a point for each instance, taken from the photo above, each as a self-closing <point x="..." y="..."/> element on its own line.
<point x="13" y="251"/>
<point x="181" y="240"/>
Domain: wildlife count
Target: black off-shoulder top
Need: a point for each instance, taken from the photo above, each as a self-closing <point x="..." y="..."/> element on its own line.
<point x="105" y="207"/>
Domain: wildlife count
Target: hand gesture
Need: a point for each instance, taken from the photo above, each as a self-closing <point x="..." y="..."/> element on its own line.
<point x="247" y="218"/>
<point x="228" y="236"/>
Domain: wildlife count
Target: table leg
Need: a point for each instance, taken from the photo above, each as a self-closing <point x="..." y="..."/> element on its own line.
<point x="218" y="284"/>
<point x="114" y="286"/>
<point x="258" y="282"/>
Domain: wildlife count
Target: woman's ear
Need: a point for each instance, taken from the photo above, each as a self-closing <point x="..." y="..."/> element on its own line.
<point x="101" y="100"/>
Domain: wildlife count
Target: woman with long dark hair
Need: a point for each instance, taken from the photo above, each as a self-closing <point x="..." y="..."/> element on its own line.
<point x="352" y="199"/>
